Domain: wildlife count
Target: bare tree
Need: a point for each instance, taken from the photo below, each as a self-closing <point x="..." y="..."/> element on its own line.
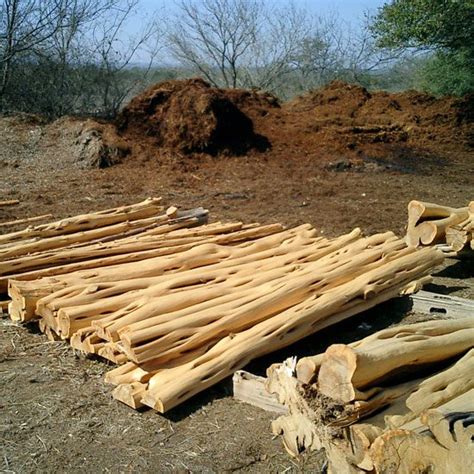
<point x="237" y="43"/>
<point x="25" y="25"/>
<point x="213" y="35"/>
<point x="114" y="53"/>
<point x="269" y="60"/>
<point x="72" y="56"/>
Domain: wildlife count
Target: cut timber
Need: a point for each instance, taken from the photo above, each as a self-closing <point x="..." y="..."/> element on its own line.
<point x="148" y="208"/>
<point x="249" y="388"/>
<point x="445" y="305"/>
<point x="10" y="202"/>
<point x="459" y="236"/>
<point x="347" y="370"/>
<point x="427" y="222"/>
<point x="26" y="220"/>
<point x="130" y="394"/>
<point x="444" y="445"/>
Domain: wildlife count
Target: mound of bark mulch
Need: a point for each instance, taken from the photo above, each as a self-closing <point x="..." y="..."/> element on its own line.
<point x="380" y="116"/>
<point x="190" y="116"/>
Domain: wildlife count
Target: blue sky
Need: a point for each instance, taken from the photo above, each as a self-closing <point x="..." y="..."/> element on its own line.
<point x="350" y="10"/>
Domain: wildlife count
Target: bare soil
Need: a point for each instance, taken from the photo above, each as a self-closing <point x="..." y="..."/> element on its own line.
<point x="338" y="158"/>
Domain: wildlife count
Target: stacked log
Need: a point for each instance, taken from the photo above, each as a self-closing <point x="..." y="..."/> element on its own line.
<point x="203" y="300"/>
<point x="186" y="321"/>
<point x="93" y="240"/>
<point x="369" y="401"/>
<point x="461" y="236"/>
<point x="430" y="224"/>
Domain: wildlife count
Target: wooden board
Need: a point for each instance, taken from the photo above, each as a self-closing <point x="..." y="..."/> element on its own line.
<point x="443" y="305"/>
<point x="250" y="388"/>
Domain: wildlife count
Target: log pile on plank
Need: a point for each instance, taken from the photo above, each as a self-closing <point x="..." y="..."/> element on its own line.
<point x="179" y="306"/>
<point x="430" y="224"/>
<point x="406" y="389"/>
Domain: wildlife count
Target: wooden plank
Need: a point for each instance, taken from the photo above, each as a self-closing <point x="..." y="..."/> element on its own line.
<point x="443" y="305"/>
<point x="250" y="388"/>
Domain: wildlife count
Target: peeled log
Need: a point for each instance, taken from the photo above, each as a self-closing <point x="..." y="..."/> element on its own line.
<point x="147" y="208"/>
<point x="130" y="394"/>
<point x="442" y="387"/>
<point x="283" y="285"/>
<point x="160" y="248"/>
<point x="307" y="368"/>
<point x="26" y="220"/>
<point x="101" y="234"/>
<point x="459" y="236"/>
<point x="26" y="294"/>
<point x="347" y="370"/>
<point x="171" y="387"/>
<point x="427" y="222"/>
<point x="116" y="306"/>
<point x="432" y="232"/>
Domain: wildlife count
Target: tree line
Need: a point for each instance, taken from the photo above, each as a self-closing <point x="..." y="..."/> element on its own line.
<point x="89" y="56"/>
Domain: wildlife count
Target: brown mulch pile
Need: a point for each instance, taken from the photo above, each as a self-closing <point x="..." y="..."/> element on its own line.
<point x="341" y="124"/>
<point x="191" y="116"/>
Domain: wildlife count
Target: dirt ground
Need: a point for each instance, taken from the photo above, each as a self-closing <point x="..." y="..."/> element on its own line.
<point x="56" y="413"/>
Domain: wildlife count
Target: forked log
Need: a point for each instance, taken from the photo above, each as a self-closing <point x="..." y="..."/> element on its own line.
<point x="346" y="371"/>
<point x="435" y="231"/>
<point x="427" y="222"/>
